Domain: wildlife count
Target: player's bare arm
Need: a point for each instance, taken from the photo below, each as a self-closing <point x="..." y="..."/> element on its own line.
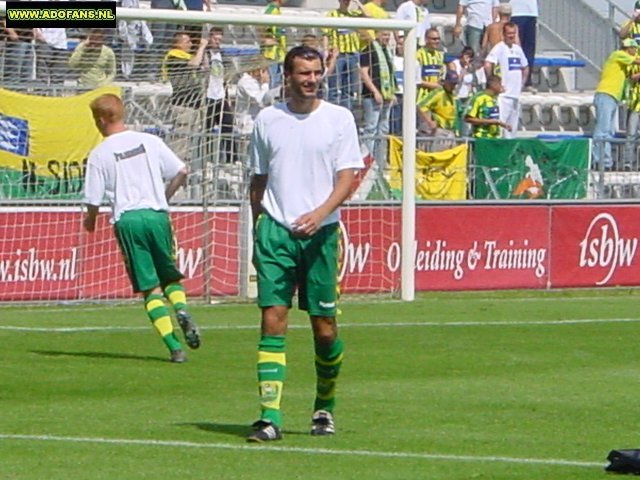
<point x="90" y="216"/>
<point x="176" y="182"/>
<point x="256" y="192"/>
<point x="309" y="223"/>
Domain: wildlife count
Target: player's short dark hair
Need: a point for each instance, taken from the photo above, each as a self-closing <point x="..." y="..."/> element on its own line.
<point x="494" y="79"/>
<point x="216" y="29"/>
<point x="301" y="51"/>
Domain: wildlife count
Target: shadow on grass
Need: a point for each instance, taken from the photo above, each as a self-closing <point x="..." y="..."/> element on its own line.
<point x="118" y="356"/>
<point x="231" y="429"/>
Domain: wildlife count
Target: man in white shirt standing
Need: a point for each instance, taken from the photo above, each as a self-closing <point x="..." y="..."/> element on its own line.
<point x="130" y="169"/>
<point x="51" y="54"/>
<point x="416" y="11"/>
<point x="218" y="117"/>
<point x="508" y="60"/>
<point x="479" y="14"/>
<point x="525" y="16"/>
<point x="252" y="95"/>
<point x="304" y="155"/>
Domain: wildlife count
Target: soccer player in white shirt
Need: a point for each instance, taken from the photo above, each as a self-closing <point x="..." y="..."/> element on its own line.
<point x="304" y="154"/>
<point x="130" y="169"/>
<point x="508" y="60"/>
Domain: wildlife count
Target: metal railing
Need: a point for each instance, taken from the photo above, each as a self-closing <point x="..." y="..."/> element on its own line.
<point x="581" y="28"/>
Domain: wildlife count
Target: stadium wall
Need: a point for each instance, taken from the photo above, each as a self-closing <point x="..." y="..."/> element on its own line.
<point x="534" y="246"/>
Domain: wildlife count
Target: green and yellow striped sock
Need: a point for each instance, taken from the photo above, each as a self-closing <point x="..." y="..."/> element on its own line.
<point x="328" y="362"/>
<point x="160" y="317"/>
<point x="271" y="375"/>
<point x="176" y="295"/>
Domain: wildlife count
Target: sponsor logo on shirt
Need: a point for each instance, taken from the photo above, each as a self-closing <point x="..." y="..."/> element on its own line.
<point x="514" y="63"/>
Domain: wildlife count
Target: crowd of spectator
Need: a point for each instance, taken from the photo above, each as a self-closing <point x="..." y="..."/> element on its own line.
<point x="456" y="96"/>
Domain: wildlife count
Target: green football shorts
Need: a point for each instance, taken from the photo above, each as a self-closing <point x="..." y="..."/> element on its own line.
<point x="147" y="244"/>
<point x="284" y="262"/>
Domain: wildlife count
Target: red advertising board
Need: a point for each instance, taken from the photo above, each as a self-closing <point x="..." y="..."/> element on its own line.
<point x="482" y="247"/>
<point x="45" y="255"/>
<point x="595" y="246"/>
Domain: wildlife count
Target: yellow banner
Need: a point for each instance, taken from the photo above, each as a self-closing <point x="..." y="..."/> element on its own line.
<point x="439" y="175"/>
<point x="47" y="136"/>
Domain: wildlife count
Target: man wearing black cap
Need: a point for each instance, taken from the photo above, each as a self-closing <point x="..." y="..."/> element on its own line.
<point x="439" y="111"/>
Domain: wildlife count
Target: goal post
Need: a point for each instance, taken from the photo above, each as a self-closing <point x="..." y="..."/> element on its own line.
<point x="211" y="216"/>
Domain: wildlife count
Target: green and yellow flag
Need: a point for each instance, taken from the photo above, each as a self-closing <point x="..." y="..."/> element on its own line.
<point x="439" y="176"/>
<point x="44" y="143"/>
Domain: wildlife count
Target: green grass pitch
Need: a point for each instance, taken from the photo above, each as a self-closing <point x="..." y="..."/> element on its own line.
<point x="512" y="385"/>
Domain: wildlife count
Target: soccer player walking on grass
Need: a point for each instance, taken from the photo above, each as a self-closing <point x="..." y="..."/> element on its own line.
<point x="131" y="169"/>
<point x="304" y="154"/>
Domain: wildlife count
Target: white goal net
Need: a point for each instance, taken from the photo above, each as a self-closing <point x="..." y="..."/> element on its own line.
<point x="196" y="79"/>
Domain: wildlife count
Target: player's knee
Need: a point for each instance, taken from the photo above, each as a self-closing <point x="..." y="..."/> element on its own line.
<point x="274" y="320"/>
<point x="325" y="330"/>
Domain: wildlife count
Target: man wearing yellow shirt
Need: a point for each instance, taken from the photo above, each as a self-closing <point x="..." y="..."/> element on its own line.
<point x="439" y="109"/>
<point x="274" y="45"/>
<point x="343" y="82"/>
<point x="608" y="95"/>
<point x="374" y="9"/>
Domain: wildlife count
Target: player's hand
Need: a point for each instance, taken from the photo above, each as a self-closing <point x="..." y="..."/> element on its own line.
<point x="377" y="97"/>
<point x="307" y="224"/>
<point x="203" y="43"/>
<point x="507" y="127"/>
<point x="457" y="31"/>
<point x="89" y="224"/>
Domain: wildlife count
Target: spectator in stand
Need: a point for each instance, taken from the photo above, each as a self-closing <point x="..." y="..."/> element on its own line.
<point x="525" y="16"/>
<point x="274" y="45"/>
<point x="218" y="116"/>
<point x="343" y="82"/>
<point x="416" y="11"/>
<point x="508" y="59"/>
<point x="395" y="122"/>
<point x="631" y="28"/>
<point x="378" y="94"/>
<point x="483" y="111"/>
<point x="374" y="9"/>
<point x="183" y="70"/>
<point x="132" y="33"/>
<point x="162" y="33"/>
<point x="18" y="56"/>
<point x="252" y="95"/>
<point x="440" y="114"/>
<point x="51" y="54"/>
<point x="493" y="33"/>
<point x="630" y="157"/>
<point x="609" y="93"/>
<point x="479" y="14"/>
<point x="472" y="79"/>
<point x="431" y="62"/>
<point x="94" y="61"/>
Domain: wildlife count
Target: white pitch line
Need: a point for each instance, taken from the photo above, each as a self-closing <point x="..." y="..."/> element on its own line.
<point x="306" y="451"/>
<point x="88" y="307"/>
<point x="520" y="323"/>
